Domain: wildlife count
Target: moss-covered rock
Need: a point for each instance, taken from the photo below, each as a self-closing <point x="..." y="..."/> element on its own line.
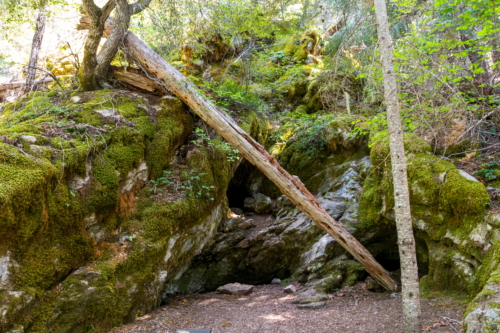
<point x="95" y="217"/>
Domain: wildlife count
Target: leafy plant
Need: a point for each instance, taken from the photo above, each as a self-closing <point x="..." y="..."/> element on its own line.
<point x="165" y="180"/>
<point x="488" y="171"/>
<point x="231" y="153"/>
<point x="192" y="187"/>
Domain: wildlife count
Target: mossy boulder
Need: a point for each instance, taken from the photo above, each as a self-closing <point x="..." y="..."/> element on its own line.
<point x="102" y="201"/>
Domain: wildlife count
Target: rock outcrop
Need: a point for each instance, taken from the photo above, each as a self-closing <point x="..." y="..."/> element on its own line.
<point x="103" y="201"/>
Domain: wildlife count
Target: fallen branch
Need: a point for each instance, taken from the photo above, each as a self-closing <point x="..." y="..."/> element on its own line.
<point x="449" y="324"/>
<point x="291" y="186"/>
<point x="16" y="85"/>
<point x="135" y="78"/>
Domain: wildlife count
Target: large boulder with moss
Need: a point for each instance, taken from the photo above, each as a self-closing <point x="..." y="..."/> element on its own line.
<point x="101" y="204"/>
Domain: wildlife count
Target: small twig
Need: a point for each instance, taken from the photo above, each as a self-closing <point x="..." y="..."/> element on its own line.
<point x="449" y="324"/>
<point x="474" y="126"/>
<point x="48" y="73"/>
<point x="462" y="152"/>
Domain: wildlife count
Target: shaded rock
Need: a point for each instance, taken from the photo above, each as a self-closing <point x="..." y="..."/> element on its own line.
<point x="290" y="289"/>
<point x="276" y="281"/>
<point x="247" y="224"/>
<point x="284" y="203"/>
<point x="249" y="204"/>
<point x="231" y="224"/>
<point x="263" y="204"/>
<point x="310" y="295"/>
<point x="373" y="285"/>
<point x="235" y="289"/>
<point x="312" y="305"/>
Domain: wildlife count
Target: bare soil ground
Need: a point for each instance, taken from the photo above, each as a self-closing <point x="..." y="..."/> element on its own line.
<point x="269" y="310"/>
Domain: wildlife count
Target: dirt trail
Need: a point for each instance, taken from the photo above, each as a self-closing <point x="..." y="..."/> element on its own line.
<point x="269" y="310"/>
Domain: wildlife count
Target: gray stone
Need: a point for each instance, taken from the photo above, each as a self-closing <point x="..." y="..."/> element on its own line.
<point x="310" y="295"/>
<point x="290" y="289"/>
<point x="90" y="220"/>
<point x="28" y="138"/>
<point x="77" y="183"/>
<point x="317" y="255"/>
<point x="373" y="285"/>
<point x="276" y="281"/>
<point x="75" y="99"/>
<point x="249" y="204"/>
<point x="235" y="289"/>
<point x="325" y="284"/>
<point x="246" y="224"/>
<point x="311" y="306"/>
<point x="5" y="282"/>
<point x="263" y="204"/>
<point x="466" y="175"/>
<point x="37" y="150"/>
<point x="284" y="203"/>
<point x="334" y="208"/>
<point x="231" y="224"/>
<point x="139" y="175"/>
<point x="493" y="220"/>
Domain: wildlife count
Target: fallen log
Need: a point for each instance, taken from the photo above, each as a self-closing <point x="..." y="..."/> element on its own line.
<point x="18" y="84"/>
<point x="135" y="78"/>
<point x="179" y="85"/>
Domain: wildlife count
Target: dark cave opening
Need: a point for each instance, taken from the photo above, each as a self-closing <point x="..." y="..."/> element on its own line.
<point x="236" y="195"/>
<point x="237" y="190"/>
<point x="386" y="252"/>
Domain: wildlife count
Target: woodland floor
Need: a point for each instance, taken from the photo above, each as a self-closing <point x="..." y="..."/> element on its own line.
<point x="268" y="310"/>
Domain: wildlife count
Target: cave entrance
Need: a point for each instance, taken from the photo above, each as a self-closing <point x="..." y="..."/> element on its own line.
<point x="386" y="252"/>
<point x="237" y="190"/>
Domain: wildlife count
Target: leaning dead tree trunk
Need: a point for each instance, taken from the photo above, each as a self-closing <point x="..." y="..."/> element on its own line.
<point x="406" y="241"/>
<point x="179" y="85"/>
<point x="35" y="49"/>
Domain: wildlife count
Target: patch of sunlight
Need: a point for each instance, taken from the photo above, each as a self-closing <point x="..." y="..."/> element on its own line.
<point x="272" y="317"/>
<point x="209" y="301"/>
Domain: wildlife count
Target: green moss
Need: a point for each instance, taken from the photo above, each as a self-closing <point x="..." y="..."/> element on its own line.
<point x="172" y="127"/>
<point x="380" y="153"/>
<point x="463" y="196"/>
<point x="104" y="187"/>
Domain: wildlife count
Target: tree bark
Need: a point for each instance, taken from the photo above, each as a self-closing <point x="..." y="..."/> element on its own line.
<point x="291" y="186"/>
<point x="35" y="49"/>
<point x="94" y="69"/>
<point x="406" y="241"/>
<point x="135" y="79"/>
<point x="113" y="41"/>
<point x="86" y="76"/>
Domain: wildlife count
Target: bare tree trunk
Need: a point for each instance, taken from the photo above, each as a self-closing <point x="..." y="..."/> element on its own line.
<point x="86" y="76"/>
<point x="291" y="186"/>
<point x="113" y="41"/>
<point x="94" y="69"/>
<point x="35" y="49"/>
<point x="406" y="241"/>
